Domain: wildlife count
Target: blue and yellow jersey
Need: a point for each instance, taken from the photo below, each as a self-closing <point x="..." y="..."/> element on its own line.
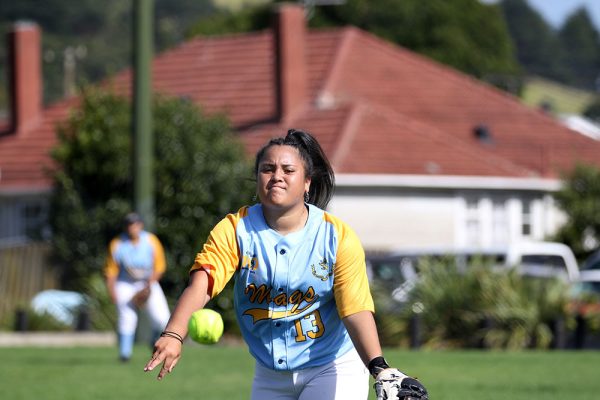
<point x="135" y="260"/>
<point x="292" y="291"/>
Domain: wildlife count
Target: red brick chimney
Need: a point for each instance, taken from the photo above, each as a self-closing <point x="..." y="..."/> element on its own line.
<point x="25" y="75"/>
<point x="291" y="84"/>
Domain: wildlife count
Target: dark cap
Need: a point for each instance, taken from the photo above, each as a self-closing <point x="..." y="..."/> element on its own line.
<point x="131" y="218"/>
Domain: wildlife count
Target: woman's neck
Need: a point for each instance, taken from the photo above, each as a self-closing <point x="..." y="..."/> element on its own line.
<point x="286" y="221"/>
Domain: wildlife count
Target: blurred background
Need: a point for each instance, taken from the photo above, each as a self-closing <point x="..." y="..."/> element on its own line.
<point x="464" y="134"/>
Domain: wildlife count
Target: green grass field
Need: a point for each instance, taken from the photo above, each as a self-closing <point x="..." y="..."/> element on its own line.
<point x="225" y="372"/>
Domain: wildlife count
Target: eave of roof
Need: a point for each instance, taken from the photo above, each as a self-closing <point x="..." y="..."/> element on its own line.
<point x="447" y="182"/>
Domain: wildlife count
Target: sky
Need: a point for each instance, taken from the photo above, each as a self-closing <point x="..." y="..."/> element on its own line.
<point x="556" y="11"/>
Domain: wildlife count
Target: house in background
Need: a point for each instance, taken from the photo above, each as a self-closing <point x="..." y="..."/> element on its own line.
<point x="25" y="140"/>
<point x="424" y="155"/>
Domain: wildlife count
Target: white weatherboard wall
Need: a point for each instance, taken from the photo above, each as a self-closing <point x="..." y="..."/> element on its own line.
<point x="394" y="212"/>
<point x="386" y="222"/>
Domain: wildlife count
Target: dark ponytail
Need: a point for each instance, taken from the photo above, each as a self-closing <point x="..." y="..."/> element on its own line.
<point x="316" y="164"/>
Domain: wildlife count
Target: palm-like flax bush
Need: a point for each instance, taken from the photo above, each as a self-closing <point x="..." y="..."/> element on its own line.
<point x="392" y="321"/>
<point x="482" y="306"/>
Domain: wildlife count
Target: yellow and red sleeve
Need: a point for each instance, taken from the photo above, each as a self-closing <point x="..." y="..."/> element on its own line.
<point x="351" y="285"/>
<point x="220" y="256"/>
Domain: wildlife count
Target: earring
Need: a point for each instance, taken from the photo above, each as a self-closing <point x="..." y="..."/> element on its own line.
<point x="306" y="197"/>
<point x="254" y="198"/>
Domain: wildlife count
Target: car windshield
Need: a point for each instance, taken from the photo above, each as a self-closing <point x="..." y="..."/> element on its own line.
<point x="593" y="263"/>
<point x="543" y="265"/>
<point x="392" y="271"/>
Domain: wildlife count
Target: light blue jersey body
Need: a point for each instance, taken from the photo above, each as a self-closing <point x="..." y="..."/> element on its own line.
<point x="285" y="286"/>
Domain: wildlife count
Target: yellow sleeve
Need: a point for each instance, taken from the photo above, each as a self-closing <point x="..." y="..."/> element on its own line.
<point x="111" y="269"/>
<point x="220" y="254"/>
<point x="351" y="286"/>
<point x="160" y="261"/>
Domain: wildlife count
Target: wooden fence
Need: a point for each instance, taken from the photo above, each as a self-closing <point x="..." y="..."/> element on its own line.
<point x="25" y="270"/>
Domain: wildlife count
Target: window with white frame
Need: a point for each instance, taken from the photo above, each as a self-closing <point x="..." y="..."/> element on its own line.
<point x="526" y="218"/>
<point x="473" y="222"/>
<point x="23" y="219"/>
<point x="499" y="222"/>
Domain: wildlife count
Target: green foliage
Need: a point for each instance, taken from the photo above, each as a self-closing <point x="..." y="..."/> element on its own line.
<point x="465" y="34"/>
<point x="581" y="44"/>
<point x="593" y="110"/>
<point x="99" y="30"/>
<point x="522" y="310"/>
<point x="578" y="199"/>
<point x="246" y="20"/>
<point x="200" y="170"/>
<point x="92" y="186"/>
<point x="392" y="325"/>
<point x="32" y="321"/>
<point x="537" y="46"/>
<point x="100" y="308"/>
<point x="482" y="306"/>
<point x="570" y="55"/>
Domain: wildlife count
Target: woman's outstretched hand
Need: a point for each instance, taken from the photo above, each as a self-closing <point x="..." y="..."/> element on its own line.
<point x="167" y="350"/>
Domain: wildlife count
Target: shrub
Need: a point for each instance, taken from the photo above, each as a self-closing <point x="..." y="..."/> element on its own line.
<point x="481" y="306"/>
<point x="200" y="169"/>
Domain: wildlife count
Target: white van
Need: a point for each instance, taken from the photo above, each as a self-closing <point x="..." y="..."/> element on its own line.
<point x="544" y="259"/>
<point x="398" y="271"/>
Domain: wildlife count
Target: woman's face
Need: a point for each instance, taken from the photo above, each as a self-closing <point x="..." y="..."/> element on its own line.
<point x="134" y="230"/>
<point x="281" y="180"/>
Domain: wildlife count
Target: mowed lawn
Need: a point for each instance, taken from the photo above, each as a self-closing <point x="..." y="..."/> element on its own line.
<point x="225" y="373"/>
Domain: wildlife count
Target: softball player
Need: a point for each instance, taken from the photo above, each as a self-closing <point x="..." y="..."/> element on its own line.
<point x="136" y="260"/>
<point x="301" y="292"/>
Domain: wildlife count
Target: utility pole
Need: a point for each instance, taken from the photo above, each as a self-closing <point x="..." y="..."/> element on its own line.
<point x="70" y="56"/>
<point x="143" y="135"/>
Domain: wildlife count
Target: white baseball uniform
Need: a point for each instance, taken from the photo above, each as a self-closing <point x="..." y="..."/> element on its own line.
<point x="133" y="263"/>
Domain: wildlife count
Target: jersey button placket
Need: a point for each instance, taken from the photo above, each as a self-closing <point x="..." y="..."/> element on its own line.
<point x="280" y="344"/>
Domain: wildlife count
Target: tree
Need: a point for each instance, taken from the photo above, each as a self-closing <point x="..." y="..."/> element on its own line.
<point x="592" y="111"/>
<point x="98" y="32"/>
<point x="201" y="174"/>
<point x="579" y="200"/>
<point x="537" y="46"/>
<point x="226" y="21"/>
<point x="581" y="44"/>
<point x="465" y="34"/>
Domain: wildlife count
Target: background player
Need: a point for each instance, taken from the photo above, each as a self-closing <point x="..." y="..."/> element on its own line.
<point x="301" y="292"/>
<point x="135" y="264"/>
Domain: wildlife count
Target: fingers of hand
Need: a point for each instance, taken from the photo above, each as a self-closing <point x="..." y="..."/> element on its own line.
<point x="163" y="371"/>
<point x="168" y="363"/>
<point x="161" y="353"/>
<point x="167" y="367"/>
<point x="154" y="361"/>
<point x="175" y="360"/>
